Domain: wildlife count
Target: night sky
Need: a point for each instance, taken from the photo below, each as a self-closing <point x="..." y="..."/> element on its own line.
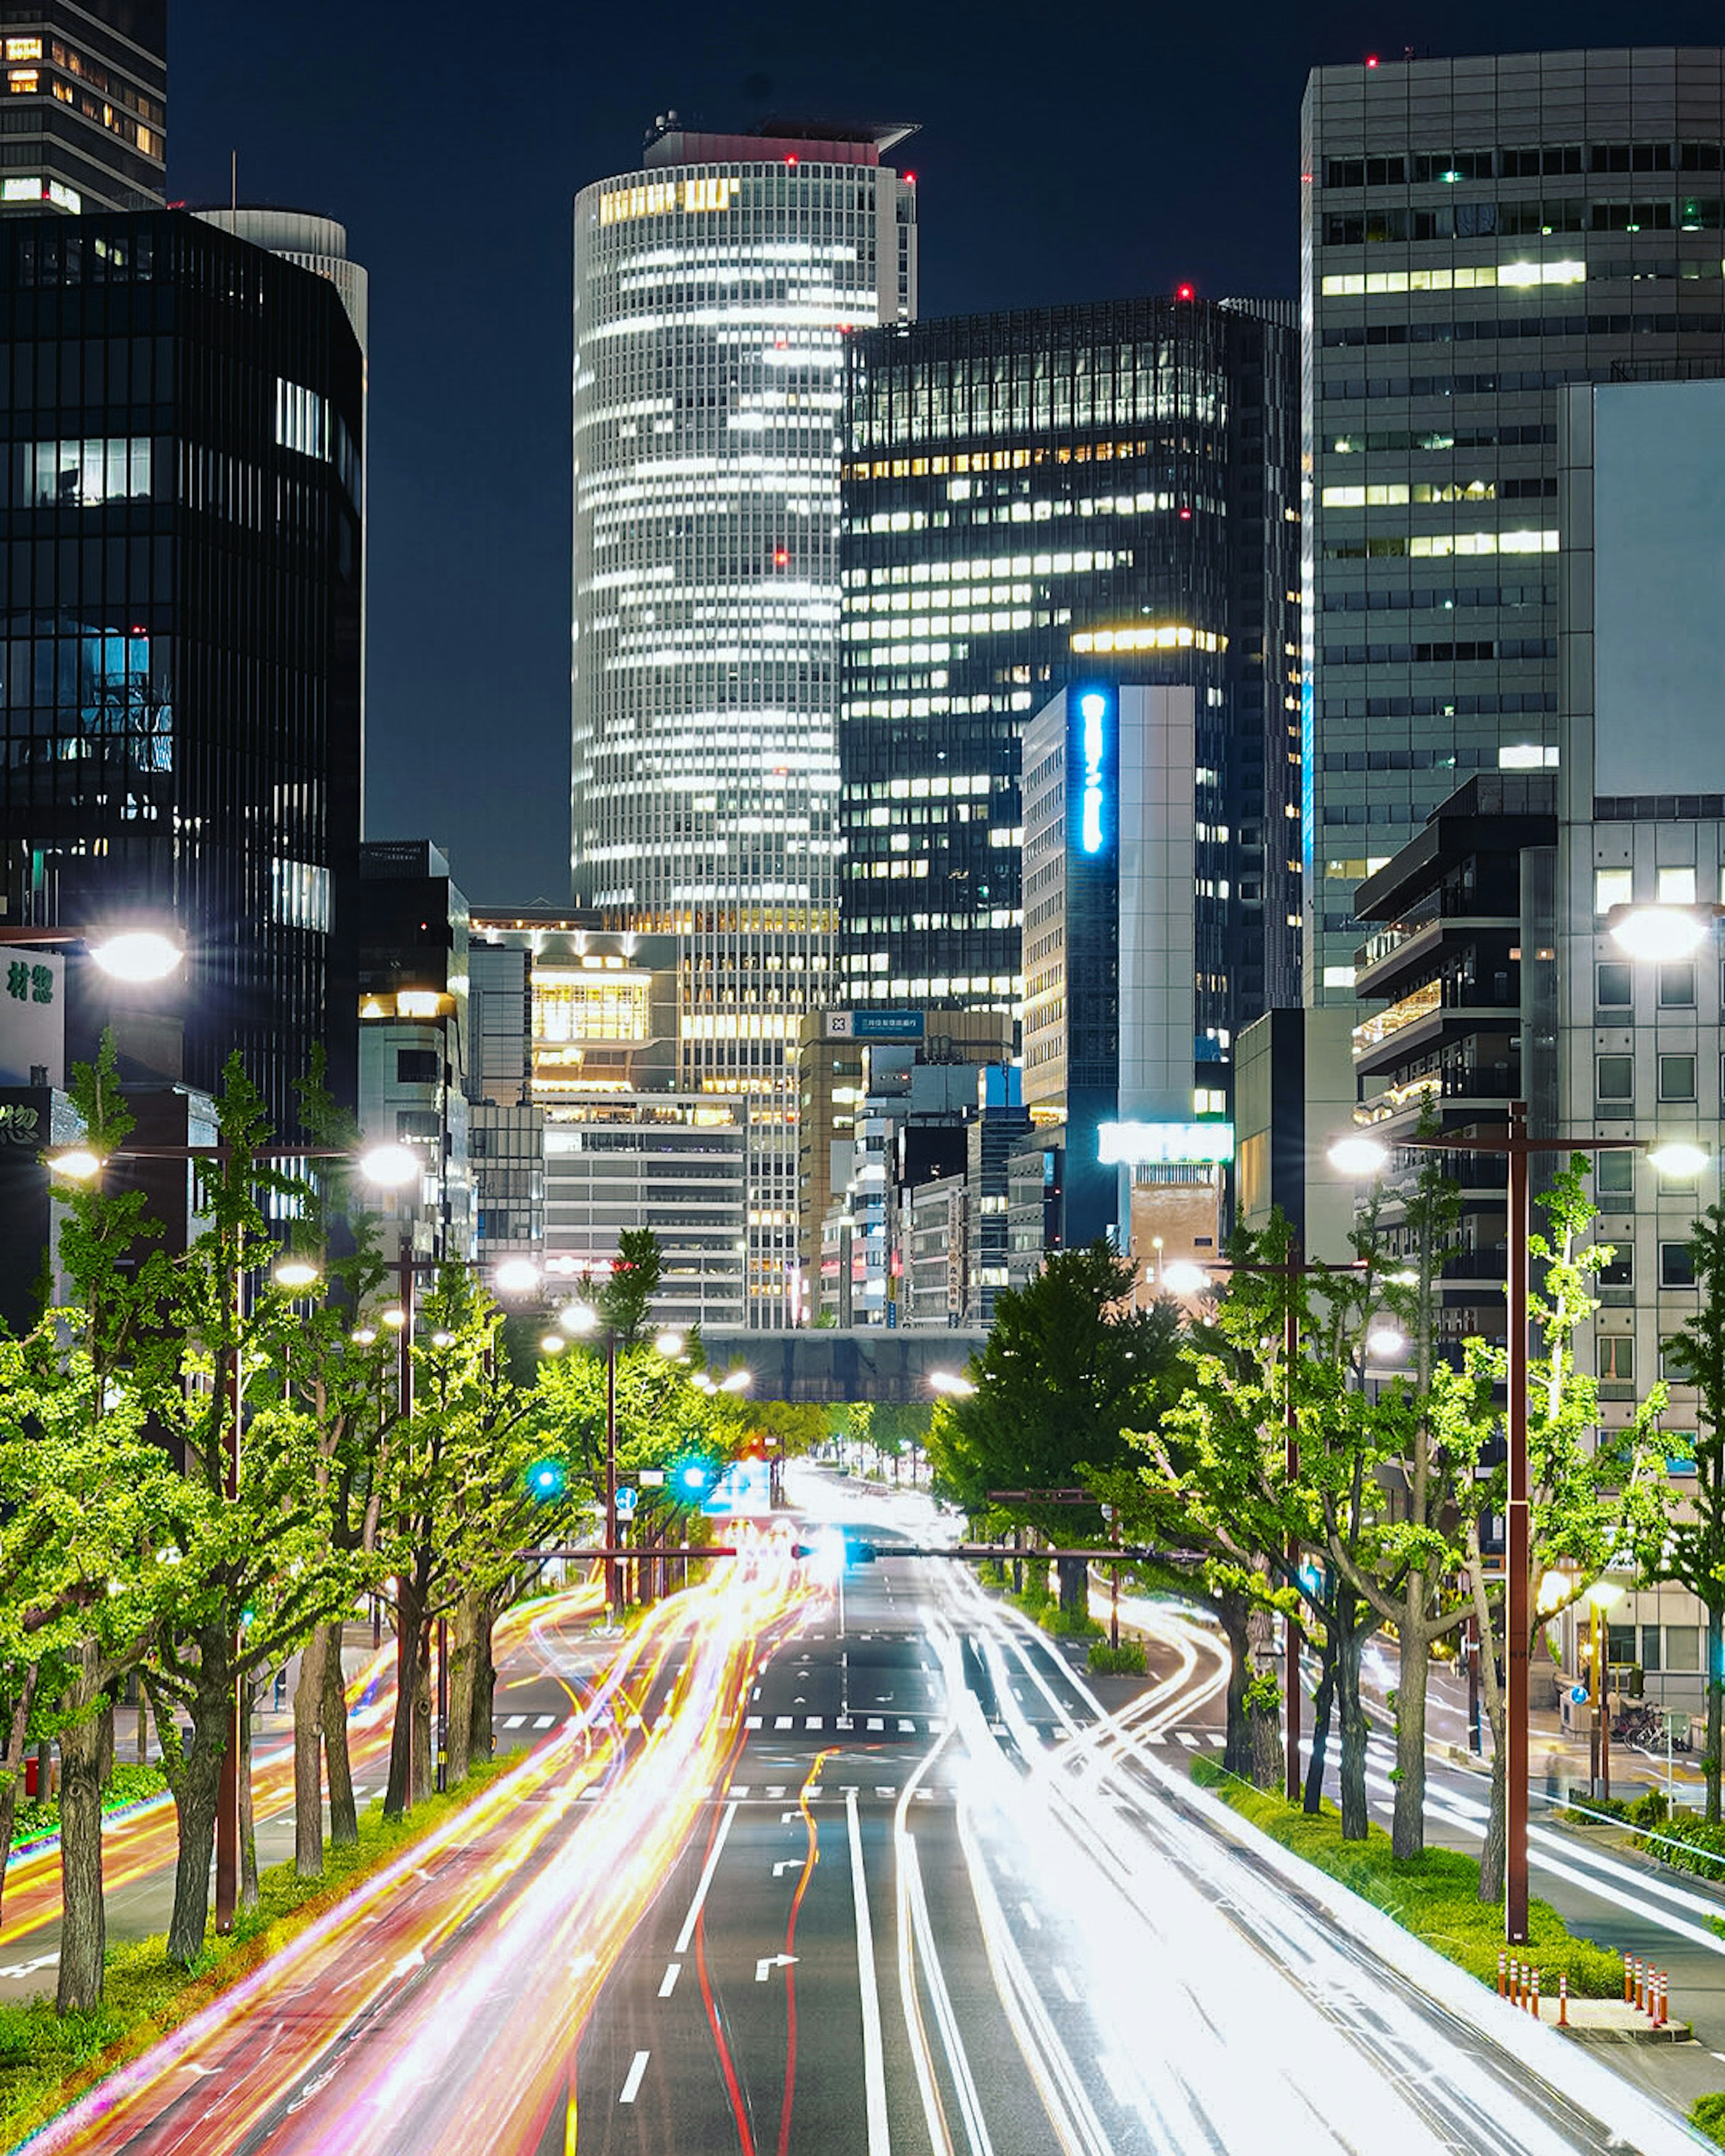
<point x="1067" y="152"/>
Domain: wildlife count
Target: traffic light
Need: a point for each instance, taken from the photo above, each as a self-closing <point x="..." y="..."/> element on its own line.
<point x="546" y="1480"/>
<point x="692" y="1479"/>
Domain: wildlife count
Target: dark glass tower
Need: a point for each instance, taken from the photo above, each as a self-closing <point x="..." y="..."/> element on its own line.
<point x="180" y="599"/>
<point x="85" y="104"/>
<point x="1037" y="499"/>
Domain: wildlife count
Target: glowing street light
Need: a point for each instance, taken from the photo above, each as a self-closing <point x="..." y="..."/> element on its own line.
<point x="390" y="1166"/>
<point x="1678" y="1159"/>
<point x="670" y="1343"/>
<point x="551" y="1343"/>
<point x="1661" y="933"/>
<point x="517" y="1276"/>
<point x="1359" y="1156"/>
<point x="1183" y="1277"/>
<point x="950" y="1383"/>
<point x="295" y="1272"/>
<point x="137" y="954"/>
<point x="78" y="1164"/>
<point x="1385" y="1341"/>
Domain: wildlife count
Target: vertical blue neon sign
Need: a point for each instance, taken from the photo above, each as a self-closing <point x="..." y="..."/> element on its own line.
<point x="1092" y="707"/>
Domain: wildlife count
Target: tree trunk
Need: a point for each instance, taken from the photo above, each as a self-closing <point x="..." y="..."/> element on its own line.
<point x="1349" y="1640"/>
<point x="1321" y="1707"/>
<point x="1237" y="1751"/>
<point x="1715" y="1689"/>
<point x="1268" y="1760"/>
<point x="11" y="1763"/>
<point x="247" y="1813"/>
<point x="481" y="1741"/>
<point x="344" y="1814"/>
<point x="1073" y="1576"/>
<point x="1408" y="1827"/>
<point x="196" y="1789"/>
<point x="423" y="1779"/>
<point x="143" y="1728"/>
<point x="459" y="1742"/>
<point x="86" y="1755"/>
<point x="1492" y="1849"/>
<point x="308" y="1738"/>
<point x="398" y="1796"/>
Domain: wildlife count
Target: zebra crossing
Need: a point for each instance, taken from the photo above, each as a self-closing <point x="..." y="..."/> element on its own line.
<point x="847" y="1725"/>
<point x="527" y="1721"/>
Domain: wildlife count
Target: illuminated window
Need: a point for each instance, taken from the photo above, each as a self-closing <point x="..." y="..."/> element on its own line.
<point x="23" y="82"/>
<point x="24" y="48"/>
<point x="81" y="475"/>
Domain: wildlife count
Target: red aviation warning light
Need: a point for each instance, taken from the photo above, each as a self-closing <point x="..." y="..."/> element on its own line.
<point x="1185" y="292"/>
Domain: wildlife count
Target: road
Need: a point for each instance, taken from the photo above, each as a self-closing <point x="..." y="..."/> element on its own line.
<point x="866" y="1868"/>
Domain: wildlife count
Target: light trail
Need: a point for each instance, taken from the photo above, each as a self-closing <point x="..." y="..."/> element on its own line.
<point x="503" y="1926"/>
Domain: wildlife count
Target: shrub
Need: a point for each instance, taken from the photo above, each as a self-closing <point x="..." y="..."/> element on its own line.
<point x="1125" y="1660"/>
<point x="1707" y="2114"/>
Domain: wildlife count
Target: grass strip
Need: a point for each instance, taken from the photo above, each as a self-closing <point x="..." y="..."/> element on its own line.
<point x="46" y="2061"/>
<point x="1435" y="1896"/>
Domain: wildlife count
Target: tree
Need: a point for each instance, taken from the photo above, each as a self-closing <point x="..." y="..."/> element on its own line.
<point x="1593" y="1500"/>
<point x="625" y="1302"/>
<point x="1691" y="1550"/>
<point x="1067" y="1369"/>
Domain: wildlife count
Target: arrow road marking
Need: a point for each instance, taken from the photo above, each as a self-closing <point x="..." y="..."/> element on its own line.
<point x="770" y="1962"/>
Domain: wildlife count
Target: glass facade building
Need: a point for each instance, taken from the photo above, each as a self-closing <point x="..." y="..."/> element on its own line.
<point x="1037" y="499"/>
<point x="180" y="588"/>
<point x="85" y="105"/>
<point x="1476" y="233"/>
<point x="714" y="291"/>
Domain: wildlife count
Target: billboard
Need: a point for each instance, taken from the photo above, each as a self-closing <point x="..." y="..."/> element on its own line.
<point x="873" y="1025"/>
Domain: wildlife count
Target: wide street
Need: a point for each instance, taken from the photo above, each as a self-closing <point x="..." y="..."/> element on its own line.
<point x="859" y="1866"/>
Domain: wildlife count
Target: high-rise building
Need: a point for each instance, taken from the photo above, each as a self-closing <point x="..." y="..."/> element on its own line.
<point x="1476" y="234"/>
<point x="1034" y="499"/>
<point x="714" y="291"/>
<point x="181" y="685"/>
<point x="86" y="105"/>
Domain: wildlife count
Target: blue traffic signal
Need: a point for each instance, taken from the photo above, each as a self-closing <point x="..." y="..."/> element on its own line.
<point x="693" y="1477"/>
<point x="546" y="1479"/>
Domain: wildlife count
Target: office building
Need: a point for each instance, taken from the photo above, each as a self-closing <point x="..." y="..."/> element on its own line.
<point x="313" y="241"/>
<point x="577" y="1032"/>
<point x="1476" y="234"/>
<point x="86" y="106"/>
<point x="714" y="291"/>
<point x="1125" y="1047"/>
<point x="181" y="597"/>
<point x="414" y="1041"/>
<point x="1037" y="498"/>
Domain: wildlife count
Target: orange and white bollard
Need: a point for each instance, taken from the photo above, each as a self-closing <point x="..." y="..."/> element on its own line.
<point x="1503" y="1972"/>
<point x="1515" y="1980"/>
<point x="1533" y="2003"/>
<point x="1629" y="1985"/>
<point x="1563" y="2000"/>
<point x="1638" y="1996"/>
<point x="1664" y="1999"/>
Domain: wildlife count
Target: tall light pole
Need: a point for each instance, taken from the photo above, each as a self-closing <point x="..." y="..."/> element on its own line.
<point x="1364" y="1155"/>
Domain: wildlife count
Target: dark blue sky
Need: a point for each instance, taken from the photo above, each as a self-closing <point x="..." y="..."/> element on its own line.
<point x="1071" y="152"/>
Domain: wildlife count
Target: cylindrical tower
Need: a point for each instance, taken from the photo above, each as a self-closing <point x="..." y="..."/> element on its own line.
<point x="712" y="293"/>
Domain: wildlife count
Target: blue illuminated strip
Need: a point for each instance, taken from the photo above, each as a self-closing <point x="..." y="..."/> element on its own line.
<point x="1091" y="707"/>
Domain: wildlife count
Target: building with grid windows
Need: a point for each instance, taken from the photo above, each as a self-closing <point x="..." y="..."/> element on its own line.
<point x="714" y="291"/>
<point x="182" y="601"/>
<point x="1476" y="234"/>
<point x="1037" y="498"/>
<point x="86" y="105"/>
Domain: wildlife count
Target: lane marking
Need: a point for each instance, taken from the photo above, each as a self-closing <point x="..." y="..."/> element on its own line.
<point x="752" y="1722"/>
<point x="514" y="1720"/>
<point x="543" y="1721"/>
<point x="1065" y="1985"/>
<point x="706" y="1880"/>
<point x="672" y="1970"/>
<point x="874" y="2048"/>
<point x="782" y="1721"/>
<point x="632" y="2081"/>
<point x="1029" y="1916"/>
<point x="811" y="1721"/>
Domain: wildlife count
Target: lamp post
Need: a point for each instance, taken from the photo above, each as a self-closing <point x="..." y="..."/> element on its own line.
<point x="1367" y="1156"/>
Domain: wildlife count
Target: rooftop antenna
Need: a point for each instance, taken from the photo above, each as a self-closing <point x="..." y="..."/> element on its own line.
<point x="234" y="182"/>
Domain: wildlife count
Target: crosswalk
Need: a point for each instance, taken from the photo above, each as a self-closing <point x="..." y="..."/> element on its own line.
<point x="525" y="1721"/>
<point x="848" y="1725"/>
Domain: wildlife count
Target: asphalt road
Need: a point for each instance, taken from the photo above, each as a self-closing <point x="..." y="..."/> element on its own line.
<point x="870" y="1868"/>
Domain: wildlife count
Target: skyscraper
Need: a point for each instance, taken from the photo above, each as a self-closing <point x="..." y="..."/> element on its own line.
<point x="1039" y="499"/>
<point x="86" y="105"/>
<point x="180" y="682"/>
<point x="714" y="291"/>
<point x="1476" y="234"/>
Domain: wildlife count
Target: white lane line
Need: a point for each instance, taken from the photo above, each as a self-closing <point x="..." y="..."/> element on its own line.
<point x="1029" y="1916"/>
<point x="875" y="1722"/>
<point x="1218" y="1737"/>
<point x="672" y="1970"/>
<point x="781" y="1721"/>
<point x="844" y="1724"/>
<point x="543" y="1721"/>
<point x="1065" y="1985"/>
<point x="907" y="1728"/>
<point x="706" y="1880"/>
<point x="1188" y="1739"/>
<point x="632" y="2080"/>
<point x="737" y="1789"/>
<point x="514" y="1720"/>
<point x="752" y="1722"/>
<point x="811" y="1721"/>
<point x="874" y="2050"/>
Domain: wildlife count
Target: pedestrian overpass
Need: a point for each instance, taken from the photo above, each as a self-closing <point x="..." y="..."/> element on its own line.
<point x="817" y="1364"/>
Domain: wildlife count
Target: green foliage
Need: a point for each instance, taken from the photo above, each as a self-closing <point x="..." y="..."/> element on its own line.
<point x="625" y="1302"/>
<point x="1708" y="2115"/>
<point x="1068" y="1623"/>
<point x="46" y="2061"/>
<point x="1068" y="1368"/>
<point x="1435" y="1895"/>
<point x="1125" y="1660"/>
<point x="129" y="1783"/>
<point x="1686" y="1843"/>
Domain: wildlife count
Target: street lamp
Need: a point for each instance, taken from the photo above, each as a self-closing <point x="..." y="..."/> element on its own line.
<point x="1518" y="1149"/>
<point x="1662" y="933"/>
<point x="587" y="1322"/>
<point x="1183" y="1278"/>
<point x="390" y="1166"/>
<point x="1600" y="1597"/>
<point x="950" y="1383"/>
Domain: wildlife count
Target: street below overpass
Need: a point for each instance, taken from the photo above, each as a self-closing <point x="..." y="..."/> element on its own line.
<point x="862" y="1865"/>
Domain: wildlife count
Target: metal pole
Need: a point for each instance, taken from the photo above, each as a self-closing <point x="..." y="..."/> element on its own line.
<point x="1114" y="1582"/>
<point x="227" y="1789"/>
<point x="443" y="1703"/>
<point x="1290" y="1424"/>
<point x="1598" y="1693"/>
<point x="406" y="1646"/>
<point x="1515" y="1554"/>
<point x="612" y="1594"/>
<point x="1473" y="1684"/>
